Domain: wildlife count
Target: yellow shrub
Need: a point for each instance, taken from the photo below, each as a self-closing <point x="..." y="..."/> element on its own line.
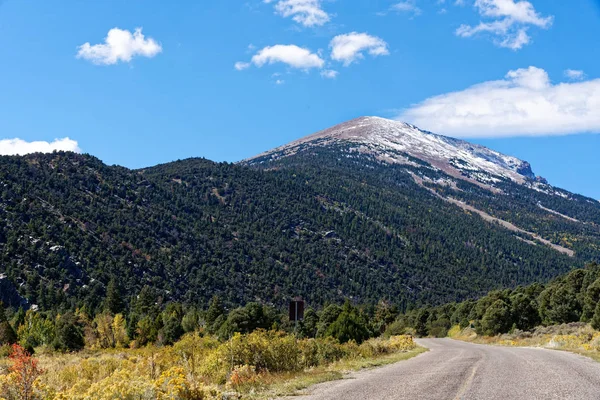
<point x="403" y="343"/>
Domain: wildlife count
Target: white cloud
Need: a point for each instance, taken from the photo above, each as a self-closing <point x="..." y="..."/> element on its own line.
<point x="329" y="74"/>
<point x="119" y="45"/>
<point x="575" y="74"/>
<point x="279" y="82"/>
<point x="305" y="12"/>
<point x="409" y="6"/>
<point x="240" y="66"/>
<point x="510" y="21"/>
<point x="524" y="103"/>
<point x="350" y="47"/>
<point x="11" y="147"/>
<point x="292" y="55"/>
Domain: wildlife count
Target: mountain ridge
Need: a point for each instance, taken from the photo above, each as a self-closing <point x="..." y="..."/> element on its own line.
<point x="454" y="156"/>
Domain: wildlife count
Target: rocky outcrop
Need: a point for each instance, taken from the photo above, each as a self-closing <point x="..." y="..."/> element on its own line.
<point x="9" y="295"/>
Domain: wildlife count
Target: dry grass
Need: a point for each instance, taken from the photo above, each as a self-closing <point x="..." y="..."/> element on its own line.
<point x="258" y="365"/>
<point x="292" y="384"/>
<point x="576" y="337"/>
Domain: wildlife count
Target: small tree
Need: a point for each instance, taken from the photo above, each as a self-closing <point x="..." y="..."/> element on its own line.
<point x="119" y="327"/>
<point x="496" y="319"/>
<point x="421" y="323"/>
<point x="7" y="333"/>
<point x="590" y="300"/>
<point x="596" y="318"/>
<point x="25" y="372"/>
<point x="525" y="312"/>
<point x="69" y="335"/>
<point x="327" y="317"/>
<point x="215" y="310"/>
<point x="114" y="300"/>
<point x="349" y="326"/>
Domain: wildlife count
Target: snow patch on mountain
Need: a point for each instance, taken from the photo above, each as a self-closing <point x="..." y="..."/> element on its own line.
<point x="389" y="140"/>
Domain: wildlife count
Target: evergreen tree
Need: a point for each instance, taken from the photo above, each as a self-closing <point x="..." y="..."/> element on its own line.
<point x="19" y="318"/>
<point x="308" y="327"/>
<point x="7" y="333"/>
<point x="591" y="299"/>
<point x="215" y="310"/>
<point x="172" y="330"/>
<point x="146" y="302"/>
<point x="525" y="312"/>
<point x="496" y="319"/>
<point x="191" y="321"/>
<point x="113" y="303"/>
<point x="327" y="317"/>
<point x="596" y="319"/>
<point x="421" y="323"/>
<point x="69" y="333"/>
<point x="349" y="326"/>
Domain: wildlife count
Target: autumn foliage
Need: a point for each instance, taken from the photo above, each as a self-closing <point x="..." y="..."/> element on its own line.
<point x="24" y="372"/>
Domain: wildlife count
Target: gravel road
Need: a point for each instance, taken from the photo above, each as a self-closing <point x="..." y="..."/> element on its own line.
<point x="458" y="370"/>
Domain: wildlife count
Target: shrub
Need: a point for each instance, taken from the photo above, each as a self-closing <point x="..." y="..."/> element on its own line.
<point x="496" y="319"/>
<point x="20" y="383"/>
<point x="69" y="335"/>
<point x="315" y="352"/>
<point x="397" y="327"/>
<point x="243" y="376"/>
<point x="349" y="326"/>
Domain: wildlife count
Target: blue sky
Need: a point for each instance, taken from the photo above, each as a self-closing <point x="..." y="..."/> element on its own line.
<point x="302" y="66"/>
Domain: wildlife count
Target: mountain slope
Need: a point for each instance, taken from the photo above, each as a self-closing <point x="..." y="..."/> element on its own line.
<point x="501" y="189"/>
<point x="398" y="142"/>
<point x="326" y="221"/>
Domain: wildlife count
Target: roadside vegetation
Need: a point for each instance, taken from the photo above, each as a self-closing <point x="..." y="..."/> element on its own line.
<point x="564" y="314"/>
<point x="196" y="367"/>
<point x="574" y="297"/>
<point x="576" y="337"/>
<point x="251" y="351"/>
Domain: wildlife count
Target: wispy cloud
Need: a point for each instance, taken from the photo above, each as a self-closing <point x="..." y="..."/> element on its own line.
<point x="11" y="147"/>
<point x="305" y="12"/>
<point x="509" y="22"/>
<point x="408" y="6"/>
<point x="119" y="45"/>
<point x="524" y="103"/>
<point x="329" y="74"/>
<point x="240" y="65"/>
<point x="291" y="55"/>
<point x="575" y="74"/>
<point x="350" y="47"/>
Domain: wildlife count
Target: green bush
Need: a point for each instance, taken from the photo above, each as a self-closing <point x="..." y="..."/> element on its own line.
<point x="496" y="319"/>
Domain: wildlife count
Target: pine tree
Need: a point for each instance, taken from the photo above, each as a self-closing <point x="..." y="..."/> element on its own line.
<point x="596" y="319"/>
<point x="215" y="309"/>
<point x="7" y="333"/>
<point x="496" y="319"/>
<point x="114" y="300"/>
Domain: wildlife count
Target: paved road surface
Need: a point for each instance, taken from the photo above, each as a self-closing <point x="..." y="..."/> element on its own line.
<point x="457" y="370"/>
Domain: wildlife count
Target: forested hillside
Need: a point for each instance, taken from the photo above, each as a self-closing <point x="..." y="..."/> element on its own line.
<point x="573" y="297"/>
<point x="322" y="226"/>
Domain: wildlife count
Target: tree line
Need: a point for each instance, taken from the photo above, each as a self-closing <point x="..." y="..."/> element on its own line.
<point x="569" y="298"/>
<point x="149" y="321"/>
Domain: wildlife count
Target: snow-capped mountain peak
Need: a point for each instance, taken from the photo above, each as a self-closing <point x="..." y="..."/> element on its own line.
<point x="392" y="140"/>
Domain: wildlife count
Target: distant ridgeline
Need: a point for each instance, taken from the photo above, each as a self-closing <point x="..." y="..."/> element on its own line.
<point x="330" y="221"/>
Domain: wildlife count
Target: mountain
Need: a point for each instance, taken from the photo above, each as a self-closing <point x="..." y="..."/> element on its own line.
<point x="369" y="210"/>
<point x="397" y="143"/>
